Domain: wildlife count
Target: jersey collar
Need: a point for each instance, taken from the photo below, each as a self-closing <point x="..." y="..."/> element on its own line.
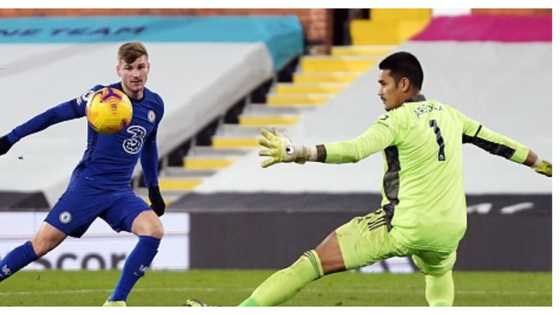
<point x="416" y="98"/>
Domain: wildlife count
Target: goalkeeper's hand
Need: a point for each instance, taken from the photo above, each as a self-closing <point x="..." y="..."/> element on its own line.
<point x="156" y="200"/>
<point x="5" y="145"/>
<point x="279" y="148"/>
<point x="543" y="167"/>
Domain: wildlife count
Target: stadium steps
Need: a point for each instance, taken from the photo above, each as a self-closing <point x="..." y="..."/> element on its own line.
<point x="180" y="179"/>
<point x="311" y="88"/>
<point x="317" y="81"/>
<point x="179" y="183"/>
<point x="229" y="143"/>
<point x="326" y="77"/>
<point x="262" y="115"/>
<point x="301" y="99"/>
<point x="267" y="120"/>
<point x="378" y="51"/>
<point x="168" y="197"/>
<point x="235" y="136"/>
<point x="175" y="181"/>
<point x="336" y="63"/>
<point x="389" y="26"/>
<point x="205" y="158"/>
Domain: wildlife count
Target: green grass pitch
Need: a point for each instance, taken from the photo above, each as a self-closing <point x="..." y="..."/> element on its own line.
<point x="227" y="288"/>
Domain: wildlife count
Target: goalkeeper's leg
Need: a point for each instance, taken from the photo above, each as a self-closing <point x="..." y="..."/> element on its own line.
<point x="285" y="283"/>
<point x="440" y="290"/>
<point x="359" y="242"/>
<point x="437" y="268"/>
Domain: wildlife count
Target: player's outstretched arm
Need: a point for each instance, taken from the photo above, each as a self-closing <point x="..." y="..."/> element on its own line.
<point x="62" y="112"/>
<point x="281" y="149"/>
<point x="498" y="144"/>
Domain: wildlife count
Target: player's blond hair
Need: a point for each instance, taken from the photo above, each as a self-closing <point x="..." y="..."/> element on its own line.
<point x="129" y="52"/>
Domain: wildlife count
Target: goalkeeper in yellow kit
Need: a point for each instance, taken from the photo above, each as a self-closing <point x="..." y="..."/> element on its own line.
<point x="423" y="211"/>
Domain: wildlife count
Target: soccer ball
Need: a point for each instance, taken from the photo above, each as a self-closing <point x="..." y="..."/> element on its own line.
<point x="109" y="110"/>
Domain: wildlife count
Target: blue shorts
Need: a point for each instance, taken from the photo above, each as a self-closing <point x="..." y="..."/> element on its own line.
<point x="81" y="204"/>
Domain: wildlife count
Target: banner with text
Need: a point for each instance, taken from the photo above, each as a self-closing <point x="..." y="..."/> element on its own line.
<point x="100" y="248"/>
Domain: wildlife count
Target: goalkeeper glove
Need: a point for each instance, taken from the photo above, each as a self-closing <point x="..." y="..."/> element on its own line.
<point x="5" y="145"/>
<point x="281" y="149"/>
<point x="156" y="200"/>
<point x="543" y="167"/>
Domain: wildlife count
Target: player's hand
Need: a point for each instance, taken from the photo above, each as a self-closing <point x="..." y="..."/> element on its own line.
<point x="279" y="148"/>
<point x="543" y="167"/>
<point x="5" y="145"/>
<point x="158" y="205"/>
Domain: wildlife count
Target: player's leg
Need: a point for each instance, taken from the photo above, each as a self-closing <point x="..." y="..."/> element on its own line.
<point x="285" y="283"/>
<point x="69" y="216"/>
<point x="47" y="238"/>
<point x="139" y="219"/>
<point x="437" y="269"/>
<point x="361" y="241"/>
<point x="440" y="289"/>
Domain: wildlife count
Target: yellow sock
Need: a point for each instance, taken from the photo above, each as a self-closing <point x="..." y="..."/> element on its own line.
<point x="285" y="283"/>
<point x="440" y="290"/>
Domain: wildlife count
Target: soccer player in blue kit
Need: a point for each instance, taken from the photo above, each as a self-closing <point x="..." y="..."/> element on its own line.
<point x="100" y="185"/>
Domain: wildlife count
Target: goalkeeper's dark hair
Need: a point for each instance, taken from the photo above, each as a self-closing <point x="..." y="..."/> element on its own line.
<point x="404" y="64"/>
<point x="129" y="52"/>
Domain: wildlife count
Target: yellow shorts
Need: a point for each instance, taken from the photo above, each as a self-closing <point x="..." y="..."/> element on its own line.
<point x="366" y="240"/>
<point x="434" y="263"/>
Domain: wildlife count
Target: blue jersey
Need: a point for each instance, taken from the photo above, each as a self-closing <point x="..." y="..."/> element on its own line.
<point x="109" y="160"/>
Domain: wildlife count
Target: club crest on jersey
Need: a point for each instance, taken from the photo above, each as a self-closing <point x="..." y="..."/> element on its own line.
<point x="65" y="217"/>
<point x="134" y="144"/>
<point x="151" y="116"/>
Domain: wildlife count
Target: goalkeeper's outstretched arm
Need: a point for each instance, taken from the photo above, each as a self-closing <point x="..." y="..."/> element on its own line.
<point x="281" y="149"/>
<point x="498" y="144"/>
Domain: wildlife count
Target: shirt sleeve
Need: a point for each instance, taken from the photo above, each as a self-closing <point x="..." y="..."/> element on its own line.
<point x="376" y="138"/>
<point x="65" y="111"/>
<point x="491" y="141"/>
<point x="149" y="157"/>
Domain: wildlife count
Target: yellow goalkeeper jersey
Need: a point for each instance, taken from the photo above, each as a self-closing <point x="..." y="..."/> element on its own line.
<point x="422" y="187"/>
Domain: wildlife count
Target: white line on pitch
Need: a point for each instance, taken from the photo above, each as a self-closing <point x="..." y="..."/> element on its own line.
<point x="364" y="290"/>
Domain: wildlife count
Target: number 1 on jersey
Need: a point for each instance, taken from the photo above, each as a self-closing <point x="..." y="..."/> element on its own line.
<point x="439" y="140"/>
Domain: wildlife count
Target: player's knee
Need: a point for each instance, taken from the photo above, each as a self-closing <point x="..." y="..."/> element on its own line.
<point x="147" y="224"/>
<point x="154" y="230"/>
<point x="158" y="231"/>
<point x="42" y="245"/>
<point x="311" y="258"/>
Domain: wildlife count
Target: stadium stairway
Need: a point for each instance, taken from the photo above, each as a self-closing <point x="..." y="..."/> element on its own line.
<point x="389" y="26"/>
<point x="317" y="80"/>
